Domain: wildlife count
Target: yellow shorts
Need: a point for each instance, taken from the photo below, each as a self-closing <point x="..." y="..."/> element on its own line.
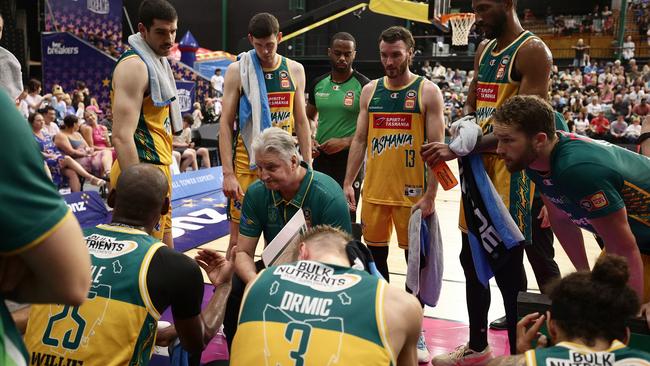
<point x="377" y="224"/>
<point x="165" y="222"/>
<point x="234" y="206"/>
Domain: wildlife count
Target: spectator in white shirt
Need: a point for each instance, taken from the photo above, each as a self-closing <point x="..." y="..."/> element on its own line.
<point x="594" y="107"/>
<point x="49" y="118"/>
<point x="217" y="83"/>
<point x="633" y="131"/>
<point x="34" y="97"/>
<point x="628" y="49"/>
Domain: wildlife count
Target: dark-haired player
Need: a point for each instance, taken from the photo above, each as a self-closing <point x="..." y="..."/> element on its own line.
<point x="141" y="129"/>
<point x="333" y="108"/>
<point x="584" y="183"/>
<point x="587" y="321"/>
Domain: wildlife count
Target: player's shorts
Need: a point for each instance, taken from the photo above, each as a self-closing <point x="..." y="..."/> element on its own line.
<point x="377" y="224"/>
<point x="234" y="206"/>
<point x="165" y="222"/>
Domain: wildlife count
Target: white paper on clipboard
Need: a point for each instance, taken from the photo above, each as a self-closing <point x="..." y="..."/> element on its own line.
<point x="280" y="249"/>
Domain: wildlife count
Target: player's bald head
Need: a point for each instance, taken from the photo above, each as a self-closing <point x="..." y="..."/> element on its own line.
<point x="140" y="193"/>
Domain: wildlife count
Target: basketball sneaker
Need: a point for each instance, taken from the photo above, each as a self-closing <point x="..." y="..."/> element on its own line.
<point x="423" y="352"/>
<point x="463" y="356"/>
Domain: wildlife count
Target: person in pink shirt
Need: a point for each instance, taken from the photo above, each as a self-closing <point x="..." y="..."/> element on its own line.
<point x="96" y="135"/>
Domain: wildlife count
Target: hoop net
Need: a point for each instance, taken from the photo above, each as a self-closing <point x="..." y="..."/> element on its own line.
<point x="461" y="23"/>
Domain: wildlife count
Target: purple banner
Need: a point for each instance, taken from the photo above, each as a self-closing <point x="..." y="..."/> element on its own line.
<point x="199" y="219"/>
<point x="184" y="72"/>
<point x="88" y="208"/>
<point x="92" y="20"/>
<point x="186" y="95"/>
<point x="67" y="59"/>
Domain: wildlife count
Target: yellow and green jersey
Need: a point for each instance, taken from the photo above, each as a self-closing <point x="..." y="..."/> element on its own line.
<point x="117" y="324"/>
<point x="281" y="90"/>
<point x="311" y="313"/>
<point x="495" y="85"/>
<point x="395" y="172"/>
<point x="153" y="136"/>
<point x="572" y="354"/>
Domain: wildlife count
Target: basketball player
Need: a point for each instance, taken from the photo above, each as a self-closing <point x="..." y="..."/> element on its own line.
<point x="285" y="86"/>
<point x="587" y="321"/>
<point x="510" y="61"/>
<point x="142" y="130"/>
<point x="134" y="279"/>
<point x="319" y="311"/>
<point x="399" y="112"/>
<point x="597" y="186"/>
<point x="333" y="108"/>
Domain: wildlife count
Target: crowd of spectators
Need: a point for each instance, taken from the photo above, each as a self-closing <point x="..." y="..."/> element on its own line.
<point x="453" y="83"/>
<point x="74" y="133"/>
<point x="598" y="21"/>
<point x="604" y="100"/>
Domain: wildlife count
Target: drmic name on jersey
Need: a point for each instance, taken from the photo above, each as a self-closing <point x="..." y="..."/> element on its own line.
<point x="304" y="304"/>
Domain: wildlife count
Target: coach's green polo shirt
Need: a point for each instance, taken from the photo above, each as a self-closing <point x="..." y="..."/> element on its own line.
<point x="320" y="197"/>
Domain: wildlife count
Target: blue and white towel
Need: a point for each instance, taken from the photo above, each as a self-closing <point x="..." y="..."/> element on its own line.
<point x="491" y="229"/>
<point x="254" y="110"/>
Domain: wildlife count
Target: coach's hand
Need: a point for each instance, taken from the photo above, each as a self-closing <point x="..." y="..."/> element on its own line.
<point x="349" y="195"/>
<point x="218" y="268"/>
<point x="434" y="152"/>
<point x="231" y="188"/>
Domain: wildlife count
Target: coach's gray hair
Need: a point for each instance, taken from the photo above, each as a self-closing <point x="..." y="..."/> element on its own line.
<point x="278" y="141"/>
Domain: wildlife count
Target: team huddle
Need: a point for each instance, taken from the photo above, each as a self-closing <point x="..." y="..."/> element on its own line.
<point x="323" y="147"/>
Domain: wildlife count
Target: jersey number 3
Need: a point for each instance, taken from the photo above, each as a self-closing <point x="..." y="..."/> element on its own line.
<point x="305" y="332"/>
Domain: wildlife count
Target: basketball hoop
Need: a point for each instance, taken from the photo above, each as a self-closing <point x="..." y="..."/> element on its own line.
<point x="461" y="23"/>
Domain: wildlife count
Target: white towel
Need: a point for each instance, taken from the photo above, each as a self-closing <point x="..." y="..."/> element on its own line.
<point x="162" y="85"/>
<point x="465" y="134"/>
